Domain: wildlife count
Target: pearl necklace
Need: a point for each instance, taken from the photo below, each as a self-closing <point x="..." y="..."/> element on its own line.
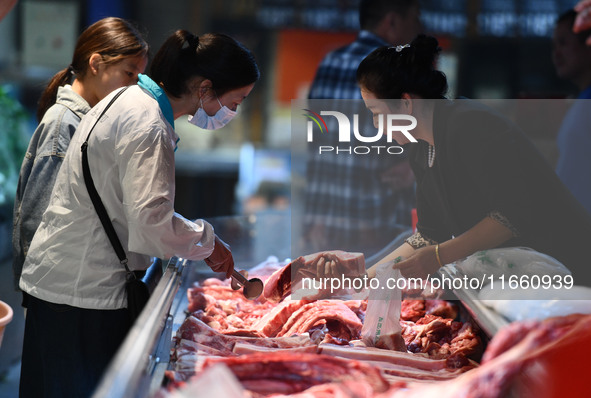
<point x="431" y="157"/>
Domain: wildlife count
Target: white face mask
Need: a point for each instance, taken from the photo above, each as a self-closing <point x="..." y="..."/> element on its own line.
<point x="217" y="121"/>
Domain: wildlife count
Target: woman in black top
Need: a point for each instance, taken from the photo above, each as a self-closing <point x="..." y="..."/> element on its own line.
<point x="481" y="184"/>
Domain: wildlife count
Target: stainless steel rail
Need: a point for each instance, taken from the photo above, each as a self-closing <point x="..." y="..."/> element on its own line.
<point x="146" y="349"/>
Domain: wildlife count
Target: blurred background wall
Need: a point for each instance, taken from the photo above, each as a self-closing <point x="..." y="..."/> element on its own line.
<point x="492" y="49"/>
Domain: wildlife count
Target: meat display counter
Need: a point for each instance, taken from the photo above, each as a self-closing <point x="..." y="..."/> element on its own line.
<point x="138" y="368"/>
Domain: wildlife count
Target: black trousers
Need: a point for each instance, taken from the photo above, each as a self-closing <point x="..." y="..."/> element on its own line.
<point x="66" y="349"/>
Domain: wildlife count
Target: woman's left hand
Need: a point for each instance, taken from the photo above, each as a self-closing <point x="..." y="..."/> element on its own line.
<point x="421" y="264"/>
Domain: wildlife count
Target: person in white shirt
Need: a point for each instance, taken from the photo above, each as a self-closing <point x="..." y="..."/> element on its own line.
<point x="77" y="315"/>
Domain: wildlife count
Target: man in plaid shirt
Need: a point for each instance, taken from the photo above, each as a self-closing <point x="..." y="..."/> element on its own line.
<point x="358" y="202"/>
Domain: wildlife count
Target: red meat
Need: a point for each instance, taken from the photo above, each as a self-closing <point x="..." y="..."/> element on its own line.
<point x="290" y="373"/>
<point x="280" y="283"/>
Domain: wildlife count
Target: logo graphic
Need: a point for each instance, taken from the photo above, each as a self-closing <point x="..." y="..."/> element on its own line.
<point x="317" y="119"/>
<point x="348" y="132"/>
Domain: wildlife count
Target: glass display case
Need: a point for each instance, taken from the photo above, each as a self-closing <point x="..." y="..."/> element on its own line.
<point x="138" y="368"/>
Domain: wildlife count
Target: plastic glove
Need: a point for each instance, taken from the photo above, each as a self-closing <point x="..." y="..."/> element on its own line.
<point x="221" y="259"/>
<point x="327" y="266"/>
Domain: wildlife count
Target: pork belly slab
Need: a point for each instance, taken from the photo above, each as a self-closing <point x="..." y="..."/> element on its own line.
<point x="533" y="359"/>
<point x="289" y="373"/>
<point x="283" y="281"/>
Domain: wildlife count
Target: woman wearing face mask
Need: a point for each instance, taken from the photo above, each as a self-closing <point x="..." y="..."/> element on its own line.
<point x="480" y="183"/>
<point x="109" y="54"/>
<point x="77" y="314"/>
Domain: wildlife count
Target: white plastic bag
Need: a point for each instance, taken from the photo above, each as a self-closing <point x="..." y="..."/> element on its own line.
<point x="521" y="304"/>
<point x="381" y="327"/>
<point x="509" y="261"/>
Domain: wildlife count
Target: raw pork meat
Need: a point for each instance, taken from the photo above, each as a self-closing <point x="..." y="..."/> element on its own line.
<point x="343" y="389"/>
<point x="331" y="321"/>
<point x="195" y="340"/>
<point x="196" y="331"/>
<point x="283" y="281"/>
<point x="441" y="337"/>
<point x="272" y="322"/>
<point x="547" y="359"/>
<point x="284" y="373"/>
<point x="227" y="310"/>
<point x="414" y="361"/>
<point x="223" y="324"/>
<point x="414" y="309"/>
<point x="336" y="317"/>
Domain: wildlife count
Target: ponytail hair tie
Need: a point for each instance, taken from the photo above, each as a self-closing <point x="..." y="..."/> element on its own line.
<point x="70" y="69"/>
<point x="192" y="42"/>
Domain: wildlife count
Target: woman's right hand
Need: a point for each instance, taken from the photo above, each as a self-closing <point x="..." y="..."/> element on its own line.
<point x="221" y="259"/>
<point x="583" y="20"/>
<point x="422" y="263"/>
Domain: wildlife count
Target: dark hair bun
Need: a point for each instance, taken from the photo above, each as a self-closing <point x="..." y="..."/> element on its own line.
<point x="389" y="72"/>
<point x="426" y="49"/>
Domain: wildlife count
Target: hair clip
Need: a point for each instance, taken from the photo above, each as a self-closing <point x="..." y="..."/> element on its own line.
<point x="399" y="48"/>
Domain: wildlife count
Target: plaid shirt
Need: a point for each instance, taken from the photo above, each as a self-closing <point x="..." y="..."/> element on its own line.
<point x="347" y="203"/>
<point x="336" y="75"/>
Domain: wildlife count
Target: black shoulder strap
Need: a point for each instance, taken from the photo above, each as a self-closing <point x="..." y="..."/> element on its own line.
<point x="96" y="199"/>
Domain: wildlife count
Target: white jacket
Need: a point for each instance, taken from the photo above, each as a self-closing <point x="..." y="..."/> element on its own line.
<point x="131" y="157"/>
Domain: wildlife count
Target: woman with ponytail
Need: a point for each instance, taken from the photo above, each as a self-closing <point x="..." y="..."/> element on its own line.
<point x="77" y="313"/>
<point x="480" y="183"/>
<point x="109" y="54"/>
